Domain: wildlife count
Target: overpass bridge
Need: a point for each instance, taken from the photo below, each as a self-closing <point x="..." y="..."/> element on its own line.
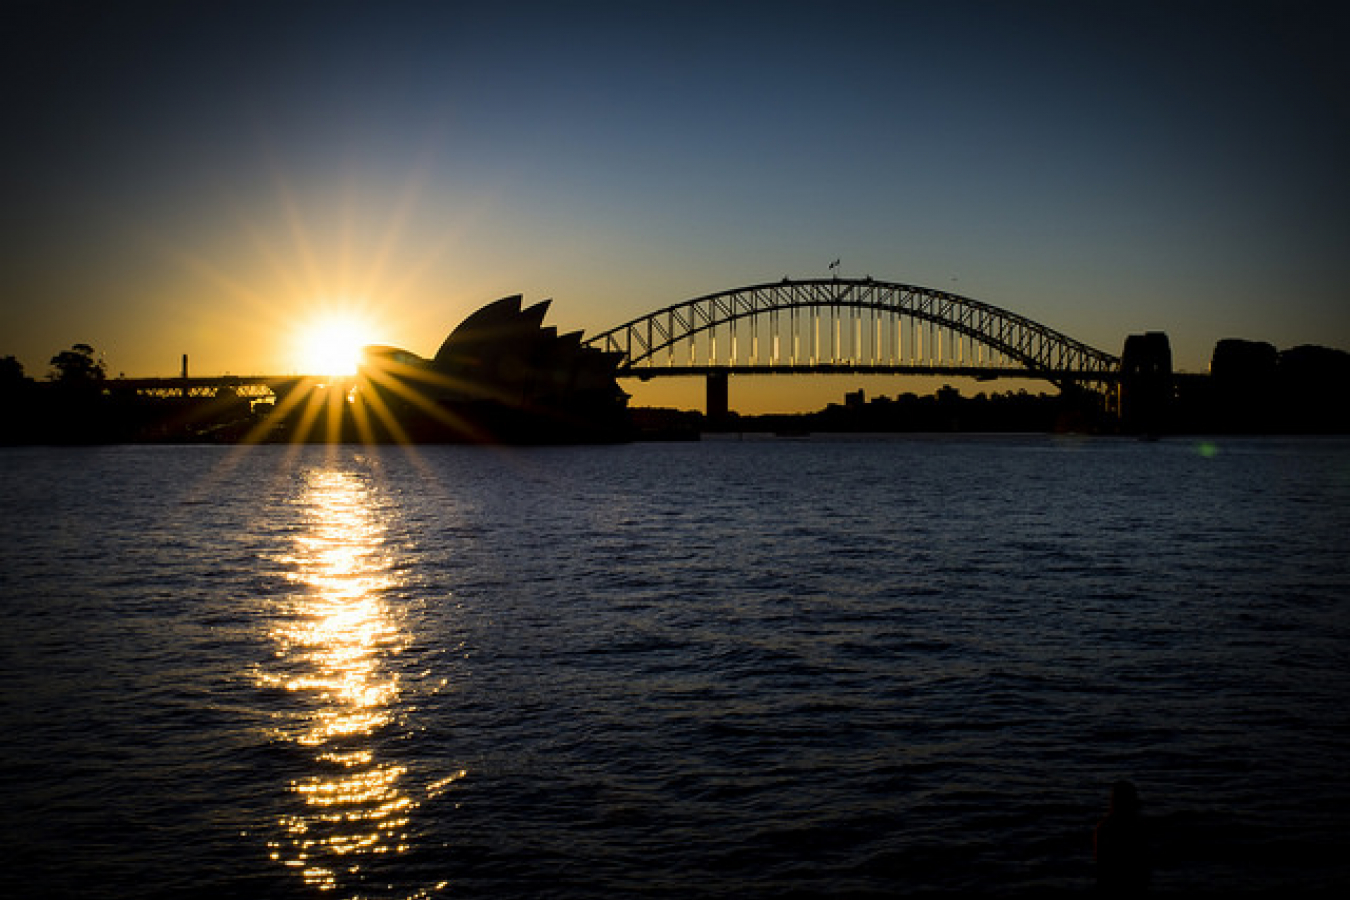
<point x="251" y="387"/>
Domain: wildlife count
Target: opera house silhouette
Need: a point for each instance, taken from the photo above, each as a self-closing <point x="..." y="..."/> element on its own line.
<point x="501" y="376"/>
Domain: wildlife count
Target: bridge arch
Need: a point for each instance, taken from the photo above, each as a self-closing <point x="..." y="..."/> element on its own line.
<point x="871" y="326"/>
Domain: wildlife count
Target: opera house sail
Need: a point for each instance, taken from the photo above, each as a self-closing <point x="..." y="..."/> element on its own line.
<point x="501" y="376"/>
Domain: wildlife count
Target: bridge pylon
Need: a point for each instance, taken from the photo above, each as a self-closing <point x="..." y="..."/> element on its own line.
<point x="1147" y="384"/>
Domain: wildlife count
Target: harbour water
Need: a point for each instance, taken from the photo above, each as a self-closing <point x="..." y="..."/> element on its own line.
<point x="732" y="668"/>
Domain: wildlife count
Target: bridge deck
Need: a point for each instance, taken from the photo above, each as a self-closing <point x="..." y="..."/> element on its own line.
<point x="249" y="386"/>
<point x="982" y="373"/>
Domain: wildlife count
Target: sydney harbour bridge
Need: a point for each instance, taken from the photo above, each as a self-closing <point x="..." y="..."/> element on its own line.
<point x="813" y="327"/>
<point x="847" y="326"/>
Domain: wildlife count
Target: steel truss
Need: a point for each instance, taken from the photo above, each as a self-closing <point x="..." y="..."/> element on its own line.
<point x="849" y="325"/>
<point x="249" y="387"/>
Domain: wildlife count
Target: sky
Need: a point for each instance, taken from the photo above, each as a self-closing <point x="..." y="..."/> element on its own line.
<point x="215" y="178"/>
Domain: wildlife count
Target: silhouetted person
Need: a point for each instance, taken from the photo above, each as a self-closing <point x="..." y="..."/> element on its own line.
<point x="1120" y="844"/>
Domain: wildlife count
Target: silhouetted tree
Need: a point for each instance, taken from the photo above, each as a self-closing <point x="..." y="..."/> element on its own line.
<point x="77" y="409"/>
<point x="78" y="366"/>
<point x="11" y="372"/>
<point x="16" y="410"/>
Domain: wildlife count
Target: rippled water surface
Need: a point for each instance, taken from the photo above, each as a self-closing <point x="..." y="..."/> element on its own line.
<point x="729" y="668"/>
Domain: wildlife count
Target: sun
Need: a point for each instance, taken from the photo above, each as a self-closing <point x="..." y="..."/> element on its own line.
<point x="331" y="344"/>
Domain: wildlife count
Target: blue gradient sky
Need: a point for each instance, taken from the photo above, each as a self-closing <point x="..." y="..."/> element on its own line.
<point x="201" y="178"/>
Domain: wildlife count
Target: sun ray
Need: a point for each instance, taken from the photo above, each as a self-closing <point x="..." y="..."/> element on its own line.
<point x="375" y="404"/>
<point x="287" y="401"/>
<point x="409" y="392"/>
<point x="414" y="273"/>
<point x="300" y="236"/>
<point x="414" y="189"/>
<point x="294" y="285"/>
<point x="337" y="402"/>
<point x="309" y="414"/>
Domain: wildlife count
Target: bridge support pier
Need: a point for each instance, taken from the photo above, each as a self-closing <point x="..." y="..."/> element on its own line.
<point x="718" y="399"/>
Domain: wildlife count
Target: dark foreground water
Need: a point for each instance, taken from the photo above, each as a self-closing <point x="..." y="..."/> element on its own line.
<point x="726" y="669"/>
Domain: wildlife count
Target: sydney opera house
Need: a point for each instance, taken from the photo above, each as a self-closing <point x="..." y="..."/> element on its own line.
<point x="501" y="376"/>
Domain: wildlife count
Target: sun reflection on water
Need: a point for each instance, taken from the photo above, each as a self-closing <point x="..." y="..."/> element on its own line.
<point x="334" y="646"/>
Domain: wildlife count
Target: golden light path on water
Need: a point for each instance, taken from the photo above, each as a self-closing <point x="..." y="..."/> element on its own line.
<point x="334" y="651"/>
